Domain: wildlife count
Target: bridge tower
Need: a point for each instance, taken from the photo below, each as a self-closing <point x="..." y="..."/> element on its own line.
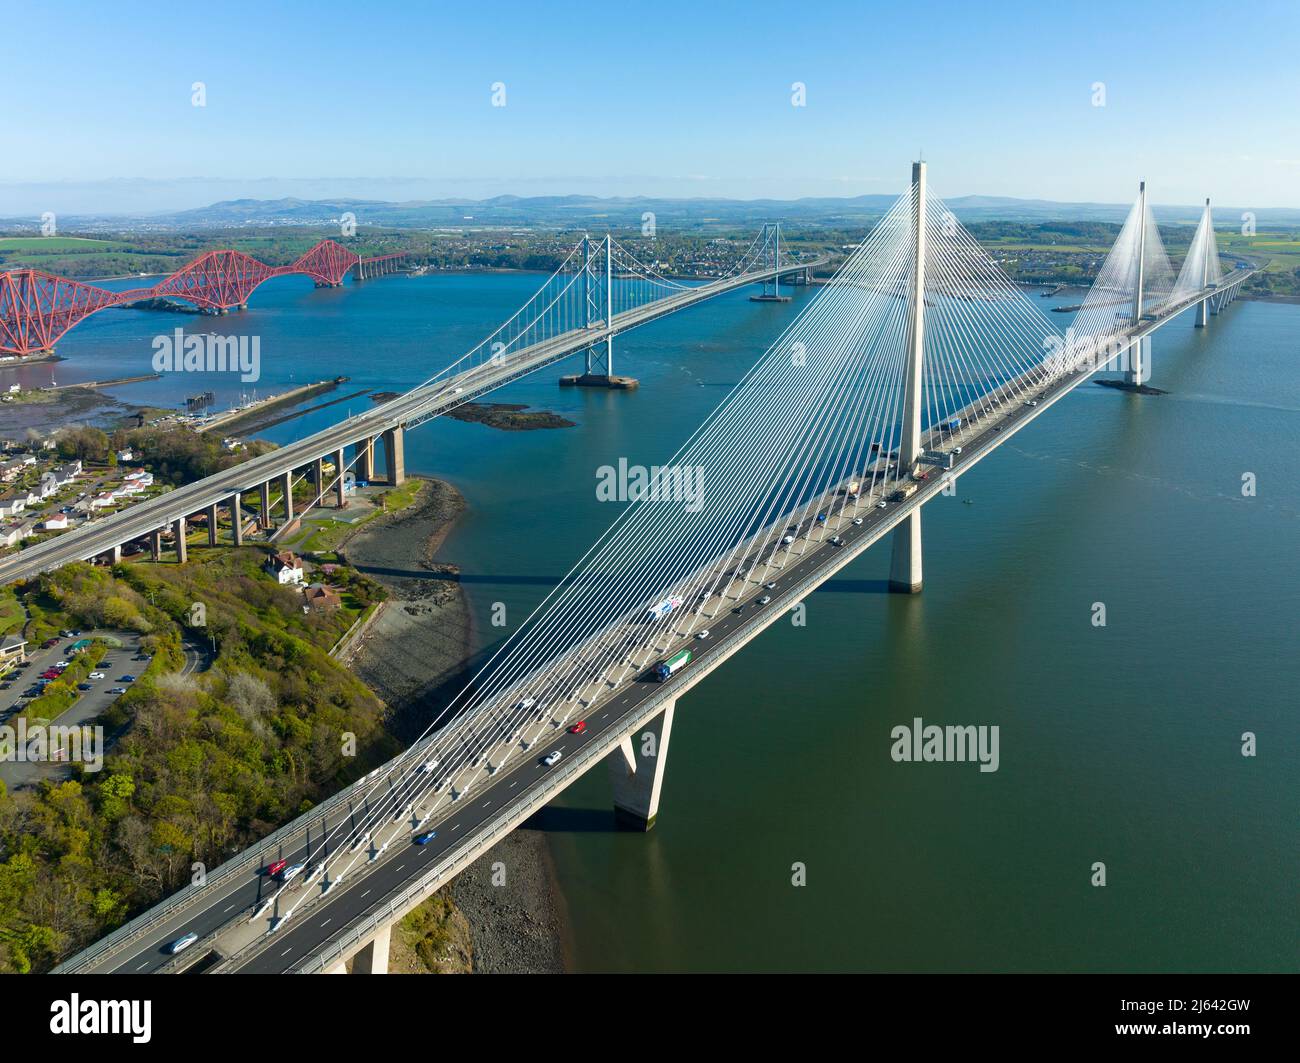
<point x="1203" y="308"/>
<point x="905" y="563"/>
<point x="586" y="294"/>
<point x="1138" y="372"/>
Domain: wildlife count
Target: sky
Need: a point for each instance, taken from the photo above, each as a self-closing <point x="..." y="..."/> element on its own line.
<point x="682" y="99"/>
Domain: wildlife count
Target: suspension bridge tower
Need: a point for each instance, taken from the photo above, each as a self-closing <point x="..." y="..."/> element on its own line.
<point x="1210" y="248"/>
<point x="905" y="563"/>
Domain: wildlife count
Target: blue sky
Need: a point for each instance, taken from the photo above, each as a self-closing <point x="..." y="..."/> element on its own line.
<point x="676" y="99"/>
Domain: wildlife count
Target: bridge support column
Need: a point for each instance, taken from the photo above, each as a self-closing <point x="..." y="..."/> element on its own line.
<point x="365" y="464"/>
<point x="636" y="773"/>
<point x="373" y="959"/>
<point x="905" y="563"/>
<point x="286" y="489"/>
<point x="339" y="968"/>
<point x="1137" y="373"/>
<point x="339" y="466"/>
<point x="182" y="546"/>
<point x="1203" y="313"/>
<point x="237" y="519"/>
<point x="113" y="556"/>
<point x="395" y="456"/>
<point x="212" y="524"/>
<point x="318" y="479"/>
<point x="155" y="545"/>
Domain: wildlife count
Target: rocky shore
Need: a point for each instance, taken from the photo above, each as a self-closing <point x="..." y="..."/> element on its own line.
<point x="415" y="657"/>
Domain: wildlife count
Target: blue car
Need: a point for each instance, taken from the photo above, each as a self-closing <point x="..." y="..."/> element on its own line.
<point x="426" y="837"/>
<point x="126" y="679"/>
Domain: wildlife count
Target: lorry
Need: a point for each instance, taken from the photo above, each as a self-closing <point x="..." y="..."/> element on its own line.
<point x="662" y="609"/>
<point x="903" y="493"/>
<point x="670" y="666"/>
<point x="852" y="488"/>
<point x="953" y="424"/>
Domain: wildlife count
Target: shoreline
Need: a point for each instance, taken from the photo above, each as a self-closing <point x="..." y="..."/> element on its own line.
<point x="415" y="657"/>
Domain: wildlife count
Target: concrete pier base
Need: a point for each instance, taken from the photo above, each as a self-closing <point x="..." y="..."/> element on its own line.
<point x="339" y="466"/>
<point x="182" y="546"/>
<point x="212" y="524"/>
<point x="264" y="518"/>
<point x="395" y="456"/>
<point x="599" y="380"/>
<point x="636" y="773"/>
<point x="155" y="545"/>
<point x="364" y="469"/>
<point x="1203" y="313"/>
<point x="373" y="959"/>
<point x="905" y="562"/>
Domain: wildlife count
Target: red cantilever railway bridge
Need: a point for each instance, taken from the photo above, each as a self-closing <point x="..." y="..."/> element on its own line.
<point x="37" y="308"/>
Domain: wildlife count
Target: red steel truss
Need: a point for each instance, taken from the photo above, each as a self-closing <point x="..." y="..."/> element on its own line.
<point x="37" y="308"/>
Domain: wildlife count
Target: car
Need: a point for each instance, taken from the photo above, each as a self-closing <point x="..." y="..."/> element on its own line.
<point x="182" y="943"/>
<point x="857" y="520"/>
<point x="738" y="610"/>
<point x="787" y="540"/>
<point x="118" y="690"/>
<point x="61" y="664"/>
<point x="956" y="450"/>
<point x="126" y="679"/>
<point x="997" y="428"/>
<point x="578" y="728"/>
<point x="881" y="504"/>
<point x="553" y="758"/>
<point x="291" y="871"/>
<point x="66" y="634"/>
<point x="425" y="838"/>
<point x="85" y="686"/>
<point x="1032" y="402"/>
<point x="527" y="703"/>
<point x="765" y="599"/>
<point x="821" y="518"/>
<point x="429" y="764"/>
<point x="48" y="643"/>
<point x="835" y="540"/>
<point x="274" y="869"/>
<point x="704" y="634"/>
<point x="50" y="675"/>
<point x="96" y="675"/>
<point x="5" y="686"/>
<point x="106" y="664"/>
<point x="75" y="634"/>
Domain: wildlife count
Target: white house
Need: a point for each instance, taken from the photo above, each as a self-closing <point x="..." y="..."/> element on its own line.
<point x="126" y="454"/>
<point x="285" y="567"/>
<point x="13" y="504"/>
<point x="58" y="522"/>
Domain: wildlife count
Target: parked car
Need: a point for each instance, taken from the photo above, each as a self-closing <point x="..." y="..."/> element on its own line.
<point x="96" y="675"/>
<point x="126" y="679"/>
<point x="117" y="690"/>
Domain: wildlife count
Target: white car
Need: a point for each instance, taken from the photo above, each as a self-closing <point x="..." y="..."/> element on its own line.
<point x="96" y="675"/>
<point x="765" y="599"/>
<point x="527" y="703"/>
<point x="430" y="764"/>
<point x="787" y="540"/>
<point x="552" y="759"/>
<point x="882" y="504"/>
<point x="182" y="943"/>
<point x="857" y="520"/>
<point x="702" y="634"/>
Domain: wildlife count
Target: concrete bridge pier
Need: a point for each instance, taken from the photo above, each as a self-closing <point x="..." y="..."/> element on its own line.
<point x="905" y="562"/>
<point x="373" y="958"/>
<point x="286" y="489"/>
<point x="237" y="519"/>
<point x="636" y="772"/>
<point x="264" y="518"/>
<point x="113" y="556"/>
<point x="339" y="466"/>
<point x="212" y="524"/>
<point x="364" y="468"/>
<point x="318" y="479"/>
<point x="182" y="547"/>
<point x="395" y="456"/>
<point x="155" y="544"/>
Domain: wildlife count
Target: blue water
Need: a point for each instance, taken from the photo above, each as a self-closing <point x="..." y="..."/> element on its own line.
<point x="1118" y="744"/>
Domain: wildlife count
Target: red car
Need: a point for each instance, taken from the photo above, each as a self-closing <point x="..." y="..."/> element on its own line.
<point x="51" y="674"/>
<point x="276" y="868"/>
<point x="48" y="643"/>
<point x="578" y="728"/>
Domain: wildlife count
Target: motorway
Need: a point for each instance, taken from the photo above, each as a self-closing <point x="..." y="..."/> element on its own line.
<point x="414" y="407"/>
<point x="321" y="917"/>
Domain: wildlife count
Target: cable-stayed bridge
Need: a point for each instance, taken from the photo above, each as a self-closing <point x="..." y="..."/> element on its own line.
<point x="916" y="362"/>
<point x="599" y="291"/>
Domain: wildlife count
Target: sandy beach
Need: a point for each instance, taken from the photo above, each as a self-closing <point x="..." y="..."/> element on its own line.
<point x="414" y="657"/>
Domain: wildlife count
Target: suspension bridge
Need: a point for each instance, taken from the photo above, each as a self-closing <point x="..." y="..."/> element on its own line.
<point x="38" y="308"/>
<point x="912" y="365"/>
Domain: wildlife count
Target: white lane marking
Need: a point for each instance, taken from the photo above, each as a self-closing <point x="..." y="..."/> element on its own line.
<point x="224" y="910"/>
<point x="143" y="966"/>
<point x="366" y="894"/>
<point x="287" y="951"/>
<point x="326" y="921"/>
<point x="514" y="784"/>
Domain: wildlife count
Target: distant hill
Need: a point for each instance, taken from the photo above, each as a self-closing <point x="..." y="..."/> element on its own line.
<point x="576" y="211"/>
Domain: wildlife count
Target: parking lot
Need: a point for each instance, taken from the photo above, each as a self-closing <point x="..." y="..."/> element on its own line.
<point x="124" y="658"/>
